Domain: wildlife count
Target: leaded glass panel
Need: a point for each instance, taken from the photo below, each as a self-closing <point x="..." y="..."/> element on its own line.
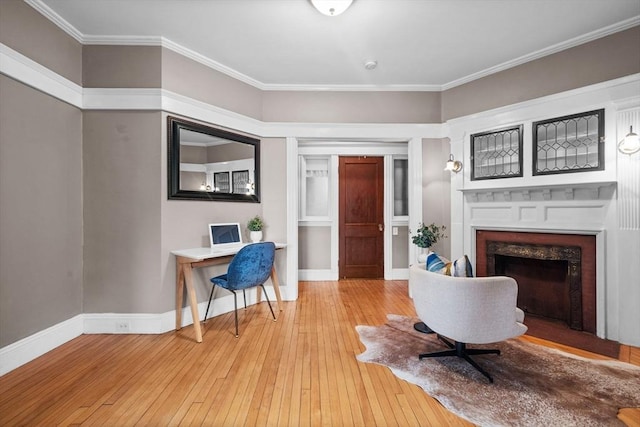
<point x="497" y="154"/>
<point x="569" y="144"/>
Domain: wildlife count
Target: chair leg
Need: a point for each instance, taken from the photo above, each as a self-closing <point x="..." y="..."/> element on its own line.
<point x="268" y="302"/>
<point x="460" y="350"/>
<point x="244" y="295"/>
<point x="206" y="314"/>
<point x="475" y="365"/>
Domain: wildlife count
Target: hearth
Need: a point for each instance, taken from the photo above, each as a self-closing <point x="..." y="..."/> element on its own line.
<point x="556" y="273"/>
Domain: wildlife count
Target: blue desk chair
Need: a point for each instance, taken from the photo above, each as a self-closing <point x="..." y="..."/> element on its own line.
<point x="249" y="268"/>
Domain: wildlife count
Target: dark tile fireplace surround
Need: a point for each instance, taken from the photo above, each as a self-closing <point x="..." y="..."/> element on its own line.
<point x="556" y="273"/>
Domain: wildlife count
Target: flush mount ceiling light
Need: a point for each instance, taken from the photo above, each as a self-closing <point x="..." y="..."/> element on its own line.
<point x="453" y="165"/>
<point x="331" y="7"/>
<point x="370" y="65"/>
<point x="630" y="144"/>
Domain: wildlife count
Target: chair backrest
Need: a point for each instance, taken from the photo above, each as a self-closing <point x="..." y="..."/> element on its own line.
<point x="251" y="266"/>
<point x="475" y="310"/>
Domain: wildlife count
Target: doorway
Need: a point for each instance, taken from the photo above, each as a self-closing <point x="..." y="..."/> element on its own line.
<point x="361" y="217"/>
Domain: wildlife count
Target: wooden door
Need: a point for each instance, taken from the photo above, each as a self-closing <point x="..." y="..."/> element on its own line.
<point x="361" y="247"/>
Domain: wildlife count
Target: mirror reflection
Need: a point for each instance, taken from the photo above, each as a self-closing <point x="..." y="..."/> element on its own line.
<point x="211" y="164"/>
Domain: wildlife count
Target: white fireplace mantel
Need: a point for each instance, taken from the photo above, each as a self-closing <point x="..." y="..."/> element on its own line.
<point x="571" y="191"/>
<point x="603" y="203"/>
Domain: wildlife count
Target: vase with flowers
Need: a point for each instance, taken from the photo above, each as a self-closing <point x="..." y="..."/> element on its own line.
<point x="427" y="236"/>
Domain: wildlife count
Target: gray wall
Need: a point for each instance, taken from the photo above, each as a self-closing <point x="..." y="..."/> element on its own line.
<point x="309" y="240"/>
<point x="40" y="211"/>
<point x="122" y="162"/>
<point x="121" y="66"/>
<point x="208" y="85"/>
<point x="351" y="107"/>
<point x="608" y="58"/>
<point x="129" y="225"/>
<point x="436" y="190"/>
<point x="400" y="251"/>
<point x="28" y="32"/>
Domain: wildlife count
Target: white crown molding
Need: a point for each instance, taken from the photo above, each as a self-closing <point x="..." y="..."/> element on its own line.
<point x="211" y="63"/>
<point x="21" y="68"/>
<point x="91" y="39"/>
<point x="17" y="66"/>
<point x="53" y="16"/>
<point x="351" y="88"/>
<point x="567" y="44"/>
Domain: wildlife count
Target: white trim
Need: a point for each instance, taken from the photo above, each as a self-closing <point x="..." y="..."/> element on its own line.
<point x="127" y="40"/>
<point x="558" y="47"/>
<point x="352" y="88"/>
<point x="29" y="348"/>
<point x="292" y="217"/>
<point x="23" y="351"/>
<point x="53" y="16"/>
<point x="415" y="197"/>
<point x="317" y="275"/>
<point x="208" y="62"/>
<point x="25" y="70"/>
<point x="566" y="98"/>
<point x="400" y="274"/>
<point x="122" y="99"/>
<point x="387" y="215"/>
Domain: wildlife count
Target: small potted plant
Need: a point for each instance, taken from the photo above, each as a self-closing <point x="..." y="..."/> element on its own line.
<point x="255" y="226"/>
<point x="427" y="236"/>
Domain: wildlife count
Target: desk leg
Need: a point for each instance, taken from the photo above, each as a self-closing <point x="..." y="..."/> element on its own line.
<point x="193" y="301"/>
<point x="179" y="294"/>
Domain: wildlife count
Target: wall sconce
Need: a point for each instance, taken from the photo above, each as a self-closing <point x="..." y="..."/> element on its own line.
<point x="331" y="7"/>
<point x="250" y="187"/>
<point x="453" y="165"/>
<point x="630" y="144"/>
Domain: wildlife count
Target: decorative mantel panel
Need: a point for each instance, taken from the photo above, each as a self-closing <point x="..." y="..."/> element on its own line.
<point x="577" y="191"/>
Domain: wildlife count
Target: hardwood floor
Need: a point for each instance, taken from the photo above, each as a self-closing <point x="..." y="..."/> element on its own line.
<point x="300" y="370"/>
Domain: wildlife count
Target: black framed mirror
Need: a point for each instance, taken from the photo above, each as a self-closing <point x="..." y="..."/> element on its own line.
<point x="206" y="163"/>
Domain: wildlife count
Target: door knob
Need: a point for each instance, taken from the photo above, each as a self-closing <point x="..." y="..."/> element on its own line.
<point x="380" y="227"/>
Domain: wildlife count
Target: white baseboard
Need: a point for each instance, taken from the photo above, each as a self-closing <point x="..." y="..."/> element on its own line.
<point x="400" y="274"/>
<point x="317" y="275"/>
<point x="27" y="349"/>
<point x="23" y="351"/>
<point x="329" y="275"/>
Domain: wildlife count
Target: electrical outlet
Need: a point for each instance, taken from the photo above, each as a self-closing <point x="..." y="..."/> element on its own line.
<point x="122" y="326"/>
<point x="394" y="231"/>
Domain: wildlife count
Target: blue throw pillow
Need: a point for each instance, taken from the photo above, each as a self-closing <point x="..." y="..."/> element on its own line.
<point x="435" y="263"/>
<point x="458" y="268"/>
<point x="461" y="267"/>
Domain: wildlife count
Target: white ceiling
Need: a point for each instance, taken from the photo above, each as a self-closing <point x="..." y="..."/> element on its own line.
<point x="287" y="44"/>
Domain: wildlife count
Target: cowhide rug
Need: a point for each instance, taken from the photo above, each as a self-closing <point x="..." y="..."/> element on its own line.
<point x="533" y="385"/>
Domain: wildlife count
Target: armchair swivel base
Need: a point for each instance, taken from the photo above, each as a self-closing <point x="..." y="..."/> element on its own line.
<point x="460" y="350"/>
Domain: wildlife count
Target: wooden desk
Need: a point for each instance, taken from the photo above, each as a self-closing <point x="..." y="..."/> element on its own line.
<point x="188" y="259"/>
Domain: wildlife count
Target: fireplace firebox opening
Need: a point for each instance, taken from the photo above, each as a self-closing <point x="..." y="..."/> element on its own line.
<point x="555" y="272"/>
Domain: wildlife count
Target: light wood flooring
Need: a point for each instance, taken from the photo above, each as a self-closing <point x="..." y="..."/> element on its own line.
<point x="299" y="371"/>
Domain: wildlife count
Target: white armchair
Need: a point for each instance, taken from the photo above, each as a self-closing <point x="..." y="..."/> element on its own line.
<point x="468" y="310"/>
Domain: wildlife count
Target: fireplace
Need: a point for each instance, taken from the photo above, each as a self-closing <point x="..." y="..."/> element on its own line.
<point x="556" y="273"/>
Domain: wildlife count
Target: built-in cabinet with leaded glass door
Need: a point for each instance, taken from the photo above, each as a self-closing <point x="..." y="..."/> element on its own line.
<point x="572" y="143"/>
<point x="497" y="154"/>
